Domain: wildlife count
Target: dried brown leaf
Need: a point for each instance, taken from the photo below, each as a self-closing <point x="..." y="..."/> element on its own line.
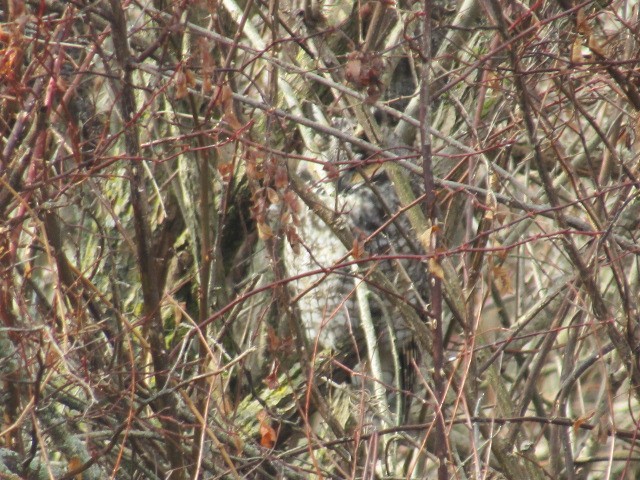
<point x="264" y="231"/>
<point x="435" y="269"/>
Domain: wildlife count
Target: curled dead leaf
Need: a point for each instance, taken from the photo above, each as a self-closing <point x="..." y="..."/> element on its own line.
<point x="435" y="269"/>
<point x="268" y="435"/>
<point x="181" y="85"/>
<point x="364" y="69"/>
<point x="73" y="464"/>
<point x="226" y="171"/>
<point x="264" y="231"/>
<point x="273" y="196"/>
<point x="357" y="250"/>
<point x="293" y="238"/>
<point x="582" y="420"/>
<point x="576" y="51"/>
<point x="426" y="237"/>
<point x="595" y="46"/>
<point x="502" y="279"/>
<point x="582" y="25"/>
<point x="281" y="178"/>
<point x="271" y="380"/>
<point x="223" y="97"/>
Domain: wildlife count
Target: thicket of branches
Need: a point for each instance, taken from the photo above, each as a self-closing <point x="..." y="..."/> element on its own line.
<point x="157" y="158"/>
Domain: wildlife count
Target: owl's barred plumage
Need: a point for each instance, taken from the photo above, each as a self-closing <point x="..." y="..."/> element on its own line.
<point x="327" y="304"/>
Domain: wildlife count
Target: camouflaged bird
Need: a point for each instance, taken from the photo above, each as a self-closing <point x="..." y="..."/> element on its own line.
<point x="327" y="302"/>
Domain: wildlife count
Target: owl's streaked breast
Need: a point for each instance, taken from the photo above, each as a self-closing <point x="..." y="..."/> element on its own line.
<point x="328" y="310"/>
